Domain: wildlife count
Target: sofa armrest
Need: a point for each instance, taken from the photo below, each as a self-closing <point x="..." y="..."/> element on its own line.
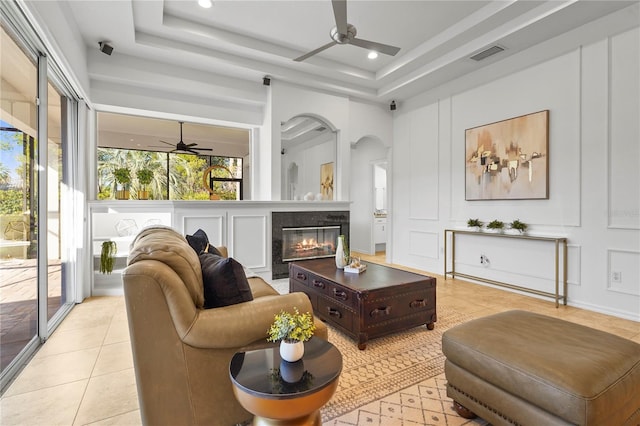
<point x="241" y="324"/>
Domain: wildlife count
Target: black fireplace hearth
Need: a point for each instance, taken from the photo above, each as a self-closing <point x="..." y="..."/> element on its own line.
<point x="304" y="235"/>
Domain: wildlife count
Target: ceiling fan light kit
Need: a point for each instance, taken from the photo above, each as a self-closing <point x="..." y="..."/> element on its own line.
<point x="345" y="33"/>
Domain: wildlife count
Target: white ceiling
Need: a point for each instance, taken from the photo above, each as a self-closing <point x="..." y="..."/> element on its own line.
<point x="243" y="41"/>
<point x="250" y="39"/>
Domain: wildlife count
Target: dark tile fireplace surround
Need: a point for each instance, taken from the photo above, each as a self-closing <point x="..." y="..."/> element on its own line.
<point x="324" y="223"/>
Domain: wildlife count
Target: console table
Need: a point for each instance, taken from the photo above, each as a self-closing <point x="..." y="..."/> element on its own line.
<point x="558" y="241"/>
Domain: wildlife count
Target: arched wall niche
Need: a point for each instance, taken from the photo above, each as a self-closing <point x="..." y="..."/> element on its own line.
<point x="308" y="158"/>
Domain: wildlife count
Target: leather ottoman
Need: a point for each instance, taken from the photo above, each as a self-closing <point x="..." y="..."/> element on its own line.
<point x="519" y="367"/>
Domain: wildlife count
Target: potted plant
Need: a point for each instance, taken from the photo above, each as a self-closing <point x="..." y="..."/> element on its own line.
<point x="145" y="176"/>
<point x="474" y="224"/>
<point x="107" y="256"/>
<point x="495" y="226"/>
<point x="292" y="330"/>
<point x="123" y="178"/>
<point x="518" y="227"/>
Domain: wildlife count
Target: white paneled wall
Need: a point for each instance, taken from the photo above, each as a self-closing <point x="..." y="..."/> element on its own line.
<point x="624" y="156"/>
<point x="592" y="93"/>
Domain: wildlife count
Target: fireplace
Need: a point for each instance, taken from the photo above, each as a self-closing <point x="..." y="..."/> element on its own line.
<point x="300" y="236"/>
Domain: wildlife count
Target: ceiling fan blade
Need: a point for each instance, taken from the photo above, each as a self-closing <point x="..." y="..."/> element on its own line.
<point x="378" y="47"/>
<point x="191" y="144"/>
<point x="201" y="149"/>
<point x="168" y="143"/>
<point x="313" y="52"/>
<point x="340" y="13"/>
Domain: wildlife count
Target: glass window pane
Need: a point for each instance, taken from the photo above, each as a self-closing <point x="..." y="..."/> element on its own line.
<point x="185" y="177"/>
<point x="58" y="204"/>
<point x="152" y="185"/>
<point x="18" y="200"/>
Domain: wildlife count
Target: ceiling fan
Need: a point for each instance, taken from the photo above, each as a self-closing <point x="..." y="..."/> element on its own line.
<point x="182" y="147"/>
<point x="345" y="33"/>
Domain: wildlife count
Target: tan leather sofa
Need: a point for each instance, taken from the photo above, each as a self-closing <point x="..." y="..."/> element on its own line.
<point x="181" y="352"/>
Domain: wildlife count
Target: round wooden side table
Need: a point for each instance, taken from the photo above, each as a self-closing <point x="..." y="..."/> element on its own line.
<point x="284" y="393"/>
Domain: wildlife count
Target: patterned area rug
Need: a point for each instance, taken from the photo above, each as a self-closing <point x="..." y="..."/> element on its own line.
<point x="398" y="380"/>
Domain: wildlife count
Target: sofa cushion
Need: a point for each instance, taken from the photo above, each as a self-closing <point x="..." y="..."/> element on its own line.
<point x="224" y="281"/>
<point x="199" y="242"/>
<point x="170" y="247"/>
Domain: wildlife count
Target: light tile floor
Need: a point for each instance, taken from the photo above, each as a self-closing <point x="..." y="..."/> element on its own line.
<point x="84" y="374"/>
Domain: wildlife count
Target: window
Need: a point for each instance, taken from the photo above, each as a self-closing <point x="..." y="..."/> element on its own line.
<point x="175" y="156"/>
<point x="173" y="176"/>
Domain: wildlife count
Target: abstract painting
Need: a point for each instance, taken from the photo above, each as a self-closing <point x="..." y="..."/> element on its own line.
<point x="326" y="181"/>
<point x="509" y="159"/>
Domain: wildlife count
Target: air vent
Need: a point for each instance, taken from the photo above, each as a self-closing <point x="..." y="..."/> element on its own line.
<point x="487" y="52"/>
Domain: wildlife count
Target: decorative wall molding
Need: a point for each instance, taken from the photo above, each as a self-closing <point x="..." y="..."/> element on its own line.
<point x="624" y="265"/>
<point x="424" y="163"/>
<point x="248" y="240"/>
<point x="212" y="225"/>
<point x="424" y="244"/>
<point x="574" y="265"/>
<point x="623" y="198"/>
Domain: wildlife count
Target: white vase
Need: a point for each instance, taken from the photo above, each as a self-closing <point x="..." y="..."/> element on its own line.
<point x="341" y="257"/>
<point x="291" y="351"/>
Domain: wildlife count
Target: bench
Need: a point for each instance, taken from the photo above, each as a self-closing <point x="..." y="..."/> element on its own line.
<point x="519" y="367"/>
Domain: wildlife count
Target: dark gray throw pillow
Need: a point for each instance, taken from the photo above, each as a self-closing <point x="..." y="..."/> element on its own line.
<point x="225" y="282"/>
<point x="200" y="243"/>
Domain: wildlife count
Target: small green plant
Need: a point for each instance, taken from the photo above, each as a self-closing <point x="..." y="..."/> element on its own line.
<point x="520" y="226"/>
<point x="122" y="175"/>
<point x="495" y="224"/>
<point x="290" y="327"/>
<point x="107" y="256"/>
<point x="474" y="223"/>
<point x="145" y="176"/>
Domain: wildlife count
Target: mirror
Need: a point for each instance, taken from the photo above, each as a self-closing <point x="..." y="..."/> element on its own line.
<point x="308" y="159"/>
<point x="380" y="188"/>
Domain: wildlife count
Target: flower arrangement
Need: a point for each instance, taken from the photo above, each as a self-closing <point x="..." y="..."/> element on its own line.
<point x="290" y="327"/>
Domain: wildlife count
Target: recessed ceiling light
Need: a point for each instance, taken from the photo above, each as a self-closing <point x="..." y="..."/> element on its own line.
<point x="205" y="3"/>
<point x="372" y="55"/>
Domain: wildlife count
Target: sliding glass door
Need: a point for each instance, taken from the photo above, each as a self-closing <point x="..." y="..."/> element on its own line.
<point x="18" y="218"/>
<point x="36" y="207"/>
